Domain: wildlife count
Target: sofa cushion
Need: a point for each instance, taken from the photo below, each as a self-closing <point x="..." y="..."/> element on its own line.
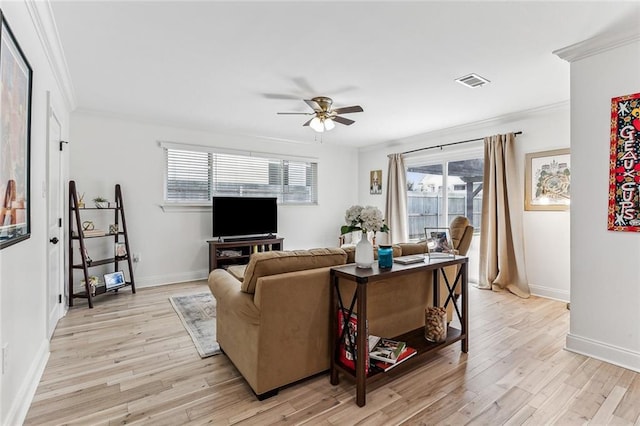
<point x="237" y="271"/>
<point x="413" y="248"/>
<point x="278" y="262"/>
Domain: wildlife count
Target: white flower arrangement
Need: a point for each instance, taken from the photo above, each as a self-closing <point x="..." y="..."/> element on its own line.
<point x="366" y="219"/>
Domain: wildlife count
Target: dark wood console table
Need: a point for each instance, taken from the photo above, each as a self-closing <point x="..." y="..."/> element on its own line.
<point x="242" y="248"/>
<point x="413" y="338"/>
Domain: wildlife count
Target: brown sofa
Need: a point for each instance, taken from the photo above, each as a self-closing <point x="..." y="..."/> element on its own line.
<point x="273" y="324"/>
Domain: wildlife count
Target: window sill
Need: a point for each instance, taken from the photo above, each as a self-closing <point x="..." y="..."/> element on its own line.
<point x="185" y="207"/>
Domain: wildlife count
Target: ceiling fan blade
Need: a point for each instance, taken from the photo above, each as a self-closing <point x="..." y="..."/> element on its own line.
<point x="295" y="113"/>
<point x="313" y="104"/>
<point x="307" y="123"/>
<point x="343" y="120"/>
<point x="348" y="110"/>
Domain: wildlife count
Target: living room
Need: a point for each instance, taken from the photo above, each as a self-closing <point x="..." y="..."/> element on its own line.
<point x="107" y="147"/>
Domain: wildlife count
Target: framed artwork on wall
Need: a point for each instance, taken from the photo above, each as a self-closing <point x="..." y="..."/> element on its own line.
<point x="15" y="119"/>
<point x="375" y="182"/>
<point x="547" y="180"/>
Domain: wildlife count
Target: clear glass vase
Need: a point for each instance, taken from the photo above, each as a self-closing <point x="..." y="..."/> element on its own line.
<point x="435" y="324"/>
<point x="364" y="252"/>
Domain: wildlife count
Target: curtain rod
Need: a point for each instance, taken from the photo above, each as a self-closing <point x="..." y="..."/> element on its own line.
<point x="448" y="144"/>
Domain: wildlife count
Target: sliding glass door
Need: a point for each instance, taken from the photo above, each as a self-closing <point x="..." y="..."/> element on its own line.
<point x="439" y="188"/>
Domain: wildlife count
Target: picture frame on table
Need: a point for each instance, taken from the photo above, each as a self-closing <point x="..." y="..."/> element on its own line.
<point x="547" y="180"/>
<point x="16" y="80"/>
<point x="439" y="243"/>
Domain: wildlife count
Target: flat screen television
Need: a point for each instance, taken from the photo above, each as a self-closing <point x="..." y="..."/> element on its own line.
<point x="243" y="216"/>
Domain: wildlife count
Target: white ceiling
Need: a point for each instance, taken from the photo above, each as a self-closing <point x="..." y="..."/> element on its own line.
<point x="229" y="67"/>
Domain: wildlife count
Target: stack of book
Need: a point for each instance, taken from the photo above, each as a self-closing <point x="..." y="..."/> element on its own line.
<point x="383" y="353"/>
<point x="386" y="353"/>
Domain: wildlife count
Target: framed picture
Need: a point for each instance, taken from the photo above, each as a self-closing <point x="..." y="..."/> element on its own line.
<point x="375" y="181"/>
<point x="547" y="180"/>
<point x="120" y="250"/>
<point x="15" y="117"/>
<point x="114" y="280"/>
<point x="439" y="242"/>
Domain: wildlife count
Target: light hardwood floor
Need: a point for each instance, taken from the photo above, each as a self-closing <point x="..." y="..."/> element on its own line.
<point x="130" y="361"/>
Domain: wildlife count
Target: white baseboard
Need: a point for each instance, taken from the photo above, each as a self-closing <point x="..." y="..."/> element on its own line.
<point x="156" y="280"/>
<point x="603" y="351"/>
<point x="549" y="293"/>
<point x="22" y="400"/>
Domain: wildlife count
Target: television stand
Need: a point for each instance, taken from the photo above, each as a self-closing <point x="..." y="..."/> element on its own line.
<point x="226" y="253"/>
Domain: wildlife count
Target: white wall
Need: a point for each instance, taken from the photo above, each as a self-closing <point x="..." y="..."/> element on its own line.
<point x="107" y="150"/>
<point x="546" y="233"/>
<point x="605" y="279"/>
<point x="23" y="276"/>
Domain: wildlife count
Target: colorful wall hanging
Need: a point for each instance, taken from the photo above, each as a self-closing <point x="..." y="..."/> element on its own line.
<point x="624" y="164"/>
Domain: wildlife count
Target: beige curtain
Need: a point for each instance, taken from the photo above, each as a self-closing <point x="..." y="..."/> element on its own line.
<point x="501" y="245"/>
<point x="396" y="207"/>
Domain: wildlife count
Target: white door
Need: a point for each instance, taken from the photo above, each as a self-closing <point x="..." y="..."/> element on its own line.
<point x="55" y="222"/>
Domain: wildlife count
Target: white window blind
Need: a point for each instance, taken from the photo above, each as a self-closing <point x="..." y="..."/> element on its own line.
<point x="195" y="176"/>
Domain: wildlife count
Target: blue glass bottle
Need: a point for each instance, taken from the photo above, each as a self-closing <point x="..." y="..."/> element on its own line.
<point x="385" y="257"/>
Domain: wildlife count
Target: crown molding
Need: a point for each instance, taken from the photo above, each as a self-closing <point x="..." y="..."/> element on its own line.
<point x="596" y="45"/>
<point x="47" y="30"/>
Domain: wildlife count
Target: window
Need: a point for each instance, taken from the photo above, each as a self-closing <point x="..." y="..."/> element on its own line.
<point x="431" y="183"/>
<point x="195" y="174"/>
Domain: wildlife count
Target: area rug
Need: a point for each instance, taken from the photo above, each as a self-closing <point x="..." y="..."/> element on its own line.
<point x="198" y="315"/>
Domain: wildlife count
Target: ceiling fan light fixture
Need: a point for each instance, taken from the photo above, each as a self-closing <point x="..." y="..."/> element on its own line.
<point x="329" y="124"/>
<point x="317" y="125"/>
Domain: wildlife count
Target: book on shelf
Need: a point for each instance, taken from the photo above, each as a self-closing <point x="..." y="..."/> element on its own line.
<point x="387" y="350"/>
<point x="348" y="340"/>
<point x="93" y="233"/>
<point x="407" y="353"/>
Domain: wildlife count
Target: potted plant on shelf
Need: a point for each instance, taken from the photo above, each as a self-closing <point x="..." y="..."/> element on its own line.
<point x="101" y="202"/>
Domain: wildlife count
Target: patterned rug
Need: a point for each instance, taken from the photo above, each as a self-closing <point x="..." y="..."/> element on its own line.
<point x="198" y="315"/>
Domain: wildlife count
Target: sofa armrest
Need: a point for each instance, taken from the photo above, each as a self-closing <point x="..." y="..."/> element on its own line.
<point x="226" y="289"/>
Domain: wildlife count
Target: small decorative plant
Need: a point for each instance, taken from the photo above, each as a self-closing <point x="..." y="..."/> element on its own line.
<point x="101" y="202"/>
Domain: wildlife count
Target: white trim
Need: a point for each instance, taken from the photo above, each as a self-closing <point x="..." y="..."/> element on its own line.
<point x="217" y="150"/>
<point x="22" y="401"/>
<point x="596" y="45"/>
<point x="47" y="30"/>
<point x="603" y="351"/>
<point x="157" y="280"/>
<point x="185" y="207"/>
<point x="549" y="293"/>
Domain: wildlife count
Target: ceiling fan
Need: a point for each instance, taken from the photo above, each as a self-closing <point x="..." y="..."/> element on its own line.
<point x="325" y="117"/>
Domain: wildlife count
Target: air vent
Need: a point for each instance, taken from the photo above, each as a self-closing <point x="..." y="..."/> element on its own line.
<point x="472" y="80"/>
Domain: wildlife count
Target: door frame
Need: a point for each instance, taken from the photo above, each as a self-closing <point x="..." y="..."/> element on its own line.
<point x="55" y="151"/>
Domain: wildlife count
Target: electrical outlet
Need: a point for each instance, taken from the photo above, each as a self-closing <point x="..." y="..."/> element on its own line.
<point x="136" y="257"/>
<point x="5" y="357"/>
